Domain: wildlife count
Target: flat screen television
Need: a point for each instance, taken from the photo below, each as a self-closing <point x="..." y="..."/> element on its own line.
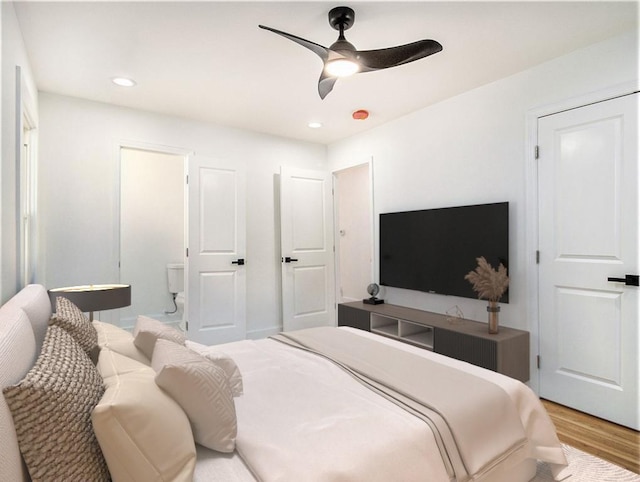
<point x="432" y="250"/>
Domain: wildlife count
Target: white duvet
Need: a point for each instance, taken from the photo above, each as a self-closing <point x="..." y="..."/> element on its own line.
<point x="302" y="418"/>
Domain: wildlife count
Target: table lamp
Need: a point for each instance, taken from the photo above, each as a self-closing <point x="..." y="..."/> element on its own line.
<point x="90" y="298"/>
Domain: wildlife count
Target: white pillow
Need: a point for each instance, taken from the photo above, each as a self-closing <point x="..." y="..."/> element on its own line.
<point x="17" y="356"/>
<point x="148" y="330"/>
<point x="143" y="433"/>
<point x="230" y="369"/>
<point x="119" y="340"/>
<point x="202" y="390"/>
<point x="112" y="362"/>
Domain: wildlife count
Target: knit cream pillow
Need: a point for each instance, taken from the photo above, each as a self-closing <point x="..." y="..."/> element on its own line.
<point x="148" y="330"/>
<point x="51" y="409"/>
<point x="202" y="390"/>
<point x="69" y="317"/>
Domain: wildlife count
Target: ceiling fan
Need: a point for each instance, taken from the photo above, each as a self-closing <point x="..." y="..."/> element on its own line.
<point x="342" y="58"/>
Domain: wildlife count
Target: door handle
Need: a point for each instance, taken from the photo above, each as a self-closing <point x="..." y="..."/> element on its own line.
<point x="287" y="259"/>
<point x="629" y="280"/>
<point x="239" y="261"/>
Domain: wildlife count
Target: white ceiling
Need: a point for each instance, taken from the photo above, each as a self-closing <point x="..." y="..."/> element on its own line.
<point x="209" y="61"/>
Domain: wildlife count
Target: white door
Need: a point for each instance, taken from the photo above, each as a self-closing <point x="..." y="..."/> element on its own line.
<point x="216" y="271"/>
<point x="588" y="215"/>
<point x="307" y="249"/>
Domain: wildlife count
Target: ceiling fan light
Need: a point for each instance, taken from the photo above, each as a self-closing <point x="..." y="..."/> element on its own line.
<point x="341" y="67"/>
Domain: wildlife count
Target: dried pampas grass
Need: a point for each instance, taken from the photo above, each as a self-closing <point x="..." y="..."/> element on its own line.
<point x="487" y="282"/>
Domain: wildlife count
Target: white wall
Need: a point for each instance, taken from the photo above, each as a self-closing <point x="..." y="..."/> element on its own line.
<point x="470" y="149"/>
<point x="79" y="198"/>
<point x="13" y="55"/>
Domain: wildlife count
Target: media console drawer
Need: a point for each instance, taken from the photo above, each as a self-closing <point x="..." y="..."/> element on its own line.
<point x="506" y="352"/>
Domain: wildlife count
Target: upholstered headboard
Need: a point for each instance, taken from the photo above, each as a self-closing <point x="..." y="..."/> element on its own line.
<point x="23" y="323"/>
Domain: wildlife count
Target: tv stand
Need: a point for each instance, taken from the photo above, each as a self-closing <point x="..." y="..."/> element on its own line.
<point x="506" y="352"/>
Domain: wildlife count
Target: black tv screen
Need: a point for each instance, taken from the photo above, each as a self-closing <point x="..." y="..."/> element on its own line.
<point x="432" y="250"/>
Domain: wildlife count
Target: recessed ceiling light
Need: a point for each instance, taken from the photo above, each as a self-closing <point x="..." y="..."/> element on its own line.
<point x="123" y="82"/>
<point x="315" y="125"/>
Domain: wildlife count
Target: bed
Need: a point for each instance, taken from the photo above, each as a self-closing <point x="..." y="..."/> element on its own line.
<point x="332" y="404"/>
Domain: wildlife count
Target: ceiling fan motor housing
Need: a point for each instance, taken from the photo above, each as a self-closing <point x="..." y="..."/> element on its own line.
<point x="342" y="18"/>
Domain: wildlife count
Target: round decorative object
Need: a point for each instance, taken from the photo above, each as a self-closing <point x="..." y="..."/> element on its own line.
<point x="373" y="289"/>
<point x="360" y="114"/>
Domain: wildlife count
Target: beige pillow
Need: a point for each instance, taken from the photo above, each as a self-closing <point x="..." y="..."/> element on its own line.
<point x="112" y="363"/>
<point x="51" y="409"/>
<point x="108" y="333"/>
<point x="69" y="317"/>
<point x="119" y="340"/>
<point x="143" y="432"/>
<point x="230" y="369"/>
<point x="148" y="330"/>
<point x="202" y="390"/>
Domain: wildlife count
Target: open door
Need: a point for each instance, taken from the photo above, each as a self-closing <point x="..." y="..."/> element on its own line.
<point x="307" y="249"/>
<point x="216" y="298"/>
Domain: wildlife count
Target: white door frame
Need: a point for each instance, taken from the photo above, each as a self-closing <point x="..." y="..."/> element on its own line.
<point x="336" y="231"/>
<point x="120" y="144"/>
<point x="531" y="204"/>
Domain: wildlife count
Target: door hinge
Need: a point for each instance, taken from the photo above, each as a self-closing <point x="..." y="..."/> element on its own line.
<point x="537" y="257"/>
<point x="536" y="152"/>
<point x="186" y="180"/>
<point x="538" y="361"/>
<point x="186" y="325"/>
<point x="186" y="252"/>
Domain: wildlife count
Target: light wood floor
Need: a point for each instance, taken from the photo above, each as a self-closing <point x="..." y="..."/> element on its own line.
<point x="619" y="445"/>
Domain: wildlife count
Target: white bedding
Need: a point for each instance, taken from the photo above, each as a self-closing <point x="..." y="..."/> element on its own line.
<point x="317" y="423"/>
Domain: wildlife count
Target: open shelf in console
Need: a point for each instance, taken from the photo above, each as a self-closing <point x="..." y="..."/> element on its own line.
<point x="384" y="325"/>
<point x="414" y="333"/>
<point x="421" y="335"/>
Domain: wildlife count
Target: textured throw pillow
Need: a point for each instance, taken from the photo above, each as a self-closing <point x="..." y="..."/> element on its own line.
<point x="143" y="432"/>
<point x="230" y="369"/>
<point x="69" y="317"/>
<point x="148" y="330"/>
<point x="51" y="409"/>
<point x="202" y="390"/>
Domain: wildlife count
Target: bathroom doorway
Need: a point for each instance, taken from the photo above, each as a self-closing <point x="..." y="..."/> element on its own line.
<point x="354" y="232"/>
<point x="152" y="232"/>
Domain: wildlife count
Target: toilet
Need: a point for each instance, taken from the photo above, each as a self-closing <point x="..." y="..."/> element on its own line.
<point x="175" y="281"/>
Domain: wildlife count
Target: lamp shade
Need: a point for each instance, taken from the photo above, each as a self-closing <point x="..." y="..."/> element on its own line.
<point x="90" y="298"/>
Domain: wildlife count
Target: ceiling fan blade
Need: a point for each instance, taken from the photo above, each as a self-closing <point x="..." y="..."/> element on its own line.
<point x="318" y="49"/>
<point x="325" y="84"/>
<point x="391" y="57"/>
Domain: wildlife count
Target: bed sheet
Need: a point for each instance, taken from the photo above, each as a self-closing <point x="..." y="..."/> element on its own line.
<point x="334" y="436"/>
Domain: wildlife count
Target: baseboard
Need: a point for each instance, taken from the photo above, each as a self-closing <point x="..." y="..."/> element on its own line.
<point x="263" y="333"/>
